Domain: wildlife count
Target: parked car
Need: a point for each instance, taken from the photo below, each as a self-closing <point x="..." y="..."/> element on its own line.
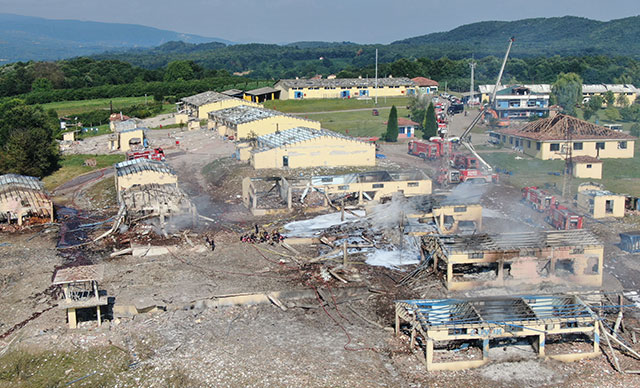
<point x="455" y="109"/>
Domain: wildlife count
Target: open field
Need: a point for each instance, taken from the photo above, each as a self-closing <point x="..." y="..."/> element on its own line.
<point x="325" y="105"/>
<point x="358" y="123"/>
<point x="65" y="108"/>
<point x="71" y="166"/>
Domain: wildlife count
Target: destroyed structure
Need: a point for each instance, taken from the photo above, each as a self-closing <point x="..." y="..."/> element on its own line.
<point x="199" y="105"/>
<point x="80" y="292"/>
<point x="600" y="203"/>
<point x="304" y="147"/>
<point x="432" y="215"/>
<point x="572" y="257"/>
<point x="127" y="140"/>
<point x="246" y="122"/>
<point x="149" y="188"/>
<point x="465" y="333"/>
<point x="549" y="138"/>
<point x="24" y="200"/>
<point x="264" y="196"/>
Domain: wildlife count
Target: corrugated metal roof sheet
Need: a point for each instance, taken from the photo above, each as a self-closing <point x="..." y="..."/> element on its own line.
<point x="242" y="114"/>
<point x="142" y="164"/>
<point x="205" y="98"/>
<point x="296" y="135"/>
<point x="20" y="181"/>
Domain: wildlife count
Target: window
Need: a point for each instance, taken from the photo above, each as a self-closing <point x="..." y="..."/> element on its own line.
<point x="378" y="185"/>
<point x="538" y="146"/>
<point x="600" y="145"/>
<point x="589" y="165"/>
<point x="327" y="179"/>
<point x="622" y="145"/>
<point x="504" y="138"/>
<point x="528" y="143"/>
<point x="510" y="140"/>
<point x="413" y="184"/>
<point x="459" y="209"/>
<point x="554" y="146"/>
<point x="343" y="187"/>
<point x="476" y="255"/>
<point x="577" y="146"/>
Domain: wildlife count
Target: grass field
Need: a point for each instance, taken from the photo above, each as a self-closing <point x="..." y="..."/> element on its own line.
<point x="618" y="175"/>
<point x="325" y="105"/>
<point x="360" y="123"/>
<point x="71" y="166"/>
<point x="66" y="108"/>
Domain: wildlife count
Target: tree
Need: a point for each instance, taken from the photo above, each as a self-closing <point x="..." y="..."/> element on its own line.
<point x="392" y="126"/>
<point x="27" y="144"/>
<point x="41" y="84"/>
<point x="595" y="103"/>
<point x="635" y="130"/>
<point x="622" y="101"/>
<point x="568" y="91"/>
<point x="612" y="113"/>
<point x="610" y="98"/>
<point x="430" y="126"/>
<point x="179" y="70"/>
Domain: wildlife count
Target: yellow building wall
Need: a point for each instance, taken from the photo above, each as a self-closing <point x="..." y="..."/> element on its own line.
<point x="408" y="188"/>
<point x="596" y="205"/>
<point x="143" y="178"/>
<point x="631" y="97"/>
<point x="610" y="150"/>
<point x="318" y="152"/>
<point x="243" y="151"/>
<point x="182" y="118"/>
<point x="203" y="110"/>
<point x="193" y="125"/>
<point x="330" y="92"/>
<point x="125" y="137"/>
<point x="69" y="136"/>
<point x="580" y="170"/>
<point x="270" y="125"/>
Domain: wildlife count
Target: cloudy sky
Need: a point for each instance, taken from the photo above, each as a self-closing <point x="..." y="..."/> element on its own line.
<point x="279" y="21"/>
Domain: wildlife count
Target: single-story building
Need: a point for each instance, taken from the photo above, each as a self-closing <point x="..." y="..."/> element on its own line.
<point x="69" y="136"/>
<point x="586" y="167"/>
<point x="304" y="147"/>
<point x="297" y="89"/>
<point x="406" y="128"/>
<point x="199" y="105"/>
<point x="262" y="94"/>
<point x="142" y="171"/>
<point x="244" y="122"/>
<point x="630" y="92"/>
<point x="426" y="85"/>
<point x="237" y="93"/>
<point x="23" y="199"/>
<point x="127" y="140"/>
<point x="548" y="138"/>
<point x="599" y="203"/>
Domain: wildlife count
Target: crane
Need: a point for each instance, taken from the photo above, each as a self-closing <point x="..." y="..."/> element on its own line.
<point x="464" y="138"/>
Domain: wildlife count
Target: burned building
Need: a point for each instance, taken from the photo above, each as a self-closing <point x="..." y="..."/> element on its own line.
<point x="441" y="216"/>
<point x="572" y="257"/>
<point x="23" y="199"/>
<point x="466" y="333"/>
<point x="280" y="195"/>
<point x="143" y="171"/>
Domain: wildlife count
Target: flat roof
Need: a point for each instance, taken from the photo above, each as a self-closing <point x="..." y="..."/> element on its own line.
<point x="82" y="273"/>
<point x="134" y="166"/>
<point x="345" y="82"/>
<point x="261" y="91"/>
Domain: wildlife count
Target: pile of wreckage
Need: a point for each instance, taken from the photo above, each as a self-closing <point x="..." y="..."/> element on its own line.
<point x="23" y="200"/>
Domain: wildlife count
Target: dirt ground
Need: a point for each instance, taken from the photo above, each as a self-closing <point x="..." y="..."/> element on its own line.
<point x="319" y="341"/>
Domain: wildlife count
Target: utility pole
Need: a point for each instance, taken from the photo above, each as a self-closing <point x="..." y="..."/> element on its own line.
<point x="376" y="86"/>
<point x="568" y="163"/>
<point x="472" y="64"/>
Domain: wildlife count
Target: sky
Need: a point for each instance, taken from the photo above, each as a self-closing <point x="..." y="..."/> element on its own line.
<point x="282" y="21"/>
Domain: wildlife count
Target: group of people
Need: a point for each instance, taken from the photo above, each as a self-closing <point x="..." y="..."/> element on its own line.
<point x="257" y="236"/>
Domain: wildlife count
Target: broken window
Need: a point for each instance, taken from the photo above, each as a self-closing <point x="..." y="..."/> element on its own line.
<point x="600" y="145"/>
<point x="538" y="146"/>
<point x="608" y="206"/>
<point x="475" y="272"/>
<point x="622" y="145"/>
<point x="343" y="187"/>
<point x="564" y="267"/>
<point x="543" y="268"/>
<point x="459" y="209"/>
<point x="577" y="251"/>
<point x="592" y="266"/>
<point x="378" y="185"/>
<point x="413" y="184"/>
<point x="476" y="255"/>
<point x="327" y="180"/>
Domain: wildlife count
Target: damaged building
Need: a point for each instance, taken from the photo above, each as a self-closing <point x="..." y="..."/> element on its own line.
<point x="304" y="147"/>
<point x="275" y="195"/>
<point x="127" y="140"/>
<point x="571" y="257"/>
<point x="455" y="334"/>
<point x="149" y="188"/>
<point x="431" y="215"/>
<point x="600" y="203"/>
<point x="24" y="200"/>
<point x="80" y="293"/>
<point x="199" y="105"/>
<point x="249" y="122"/>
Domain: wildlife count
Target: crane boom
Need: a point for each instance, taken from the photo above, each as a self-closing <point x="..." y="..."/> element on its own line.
<point x="464" y="138"/>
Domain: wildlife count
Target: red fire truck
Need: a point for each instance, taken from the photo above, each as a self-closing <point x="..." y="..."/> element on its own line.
<point x="153" y="154"/>
<point x="432" y="149"/>
<point x="538" y="199"/>
<point x="561" y="218"/>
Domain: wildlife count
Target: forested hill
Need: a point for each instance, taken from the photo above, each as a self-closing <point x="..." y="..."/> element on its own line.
<point x="568" y="35"/>
<point x="24" y="38"/>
